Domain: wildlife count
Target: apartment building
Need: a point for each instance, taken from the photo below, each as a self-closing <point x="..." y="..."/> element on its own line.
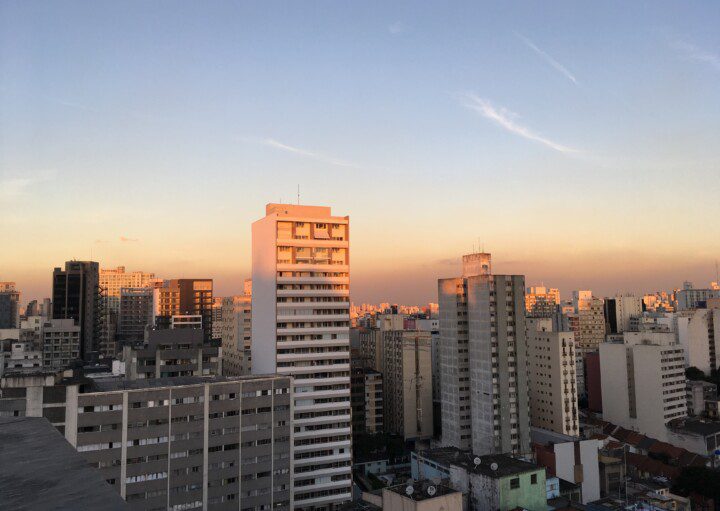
<point x="301" y="327"/>
<point x="483" y="360"/>
<point x="61" y="343"/>
<point x="367" y="400"/>
<point x="541" y="301"/>
<point x="619" y="312"/>
<point x="173" y="443"/>
<point x="114" y="280"/>
<point x="236" y="333"/>
<point x="407" y="383"/>
<point x="643" y="382"/>
<point x="551" y="376"/>
<point x="9" y="305"/>
<point x="172" y="353"/>
<point x="217" y="317"/>
<point x="135" y="313"/>
<point x="185" y="297"/>
<point x="698" y="330"/>
<point x="76" y="296"/>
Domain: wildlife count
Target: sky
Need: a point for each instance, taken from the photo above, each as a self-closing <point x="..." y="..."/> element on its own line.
<point x="576" y="141"/>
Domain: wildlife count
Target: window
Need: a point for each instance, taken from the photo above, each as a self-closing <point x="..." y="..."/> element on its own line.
<point x="515" y="483"/>
<point x="533" y="479"/>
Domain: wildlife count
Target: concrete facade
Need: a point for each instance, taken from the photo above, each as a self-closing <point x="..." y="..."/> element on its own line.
<point x="643" y="382"/>
<point x="551" y="376"/>
<point x="407" y="383"/>
<point x="301" y="327"/>
<point x="236" y="334"/>
<point x="483" y="351"/>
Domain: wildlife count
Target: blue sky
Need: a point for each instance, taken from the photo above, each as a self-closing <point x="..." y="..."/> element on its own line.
<point x="576" y="140"/>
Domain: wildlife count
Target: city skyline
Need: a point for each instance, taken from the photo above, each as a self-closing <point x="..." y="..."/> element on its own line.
<point x="573" y="142"/>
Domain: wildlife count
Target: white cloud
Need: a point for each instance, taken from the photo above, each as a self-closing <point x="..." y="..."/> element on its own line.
<point x="506" y="119"/>
<point x="314" y="155"/>
<point x="397" y="28"/>
<point x="693" y="52"/>
<point x="554" y="63"/>
<point x="12" y="188"/>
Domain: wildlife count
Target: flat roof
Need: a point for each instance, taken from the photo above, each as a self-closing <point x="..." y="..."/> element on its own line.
<point x="420" y="490"/>
<point x="40" y="470"/>
<point x="120" y="383"/>
<point x="506" y="465"/>
<point x="696" y="426"/>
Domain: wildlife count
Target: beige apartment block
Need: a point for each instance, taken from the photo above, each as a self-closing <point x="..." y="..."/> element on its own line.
<point x="551" y="378"/>
<point x="408" y="383"/>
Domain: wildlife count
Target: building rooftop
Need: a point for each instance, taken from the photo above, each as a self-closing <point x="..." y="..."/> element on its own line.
<point x="491" y="465"/>
<point x="119" y="383"/>
<point x="40" y="471"/>
<point x="695" y="426"/>
<point x="421" y="490"/>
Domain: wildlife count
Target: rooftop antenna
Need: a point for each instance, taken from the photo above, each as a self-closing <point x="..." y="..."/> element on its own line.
<point x="298" y="194"/>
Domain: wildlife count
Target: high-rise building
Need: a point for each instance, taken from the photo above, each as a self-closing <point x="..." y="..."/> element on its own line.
<point x="699" y="334"/>
<point x="643" y="382"/>
<point x="9" y="305"/>
<point x="76" y="295"/>
<point x="185" y="297"/>
<point x="551" y="376"/>
<point x="135" y="313"/>
<point x="301" y="327"/>
<point x="217" y="317"/>
<point x="367" y="400"/>
<point x="113" y="280"/>
<point x="483" y="360"/>
<point x="619" y="312"/>
<point x="237" y="333"/>
<point x="407" y="383"/>
<point x="540" y="301"/>
<point x="586" y="320"/>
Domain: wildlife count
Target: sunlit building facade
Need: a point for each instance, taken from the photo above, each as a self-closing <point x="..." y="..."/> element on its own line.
<point x="483" y="371"/>
<point x="301" y="327"/>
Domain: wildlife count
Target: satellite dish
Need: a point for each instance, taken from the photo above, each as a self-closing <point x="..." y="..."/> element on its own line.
<point x="477" y="461"/>
<point x="431" y="490"/>
<point x="493" y="466"/>
<point x="409" y="490"/>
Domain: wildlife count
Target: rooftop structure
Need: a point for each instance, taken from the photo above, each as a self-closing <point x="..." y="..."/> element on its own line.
<point x="40" y="471"/>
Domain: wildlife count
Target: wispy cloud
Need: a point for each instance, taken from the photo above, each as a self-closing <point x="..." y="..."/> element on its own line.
<point x="506" y="119"/>
<point x="128" y="240"/>
<point x="693" y="52"/>
<point x="12" y="188"/>
<point x="313" y="155"/>
<point x="550" y="60"/>
<point x="397" y="28"/>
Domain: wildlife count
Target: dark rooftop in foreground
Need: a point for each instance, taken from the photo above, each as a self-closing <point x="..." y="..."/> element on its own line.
<point x="40" y="471"/>
<point x="119" y="383"/>
<point x="506" y="465"/>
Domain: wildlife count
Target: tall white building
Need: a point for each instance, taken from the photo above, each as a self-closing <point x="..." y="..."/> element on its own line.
<point x="483" y="367"/>
<point x="301" y="327"/>
<point x="643" y="382"/>
<point x="551" y="378"/>
<point x="698" y="331"/>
